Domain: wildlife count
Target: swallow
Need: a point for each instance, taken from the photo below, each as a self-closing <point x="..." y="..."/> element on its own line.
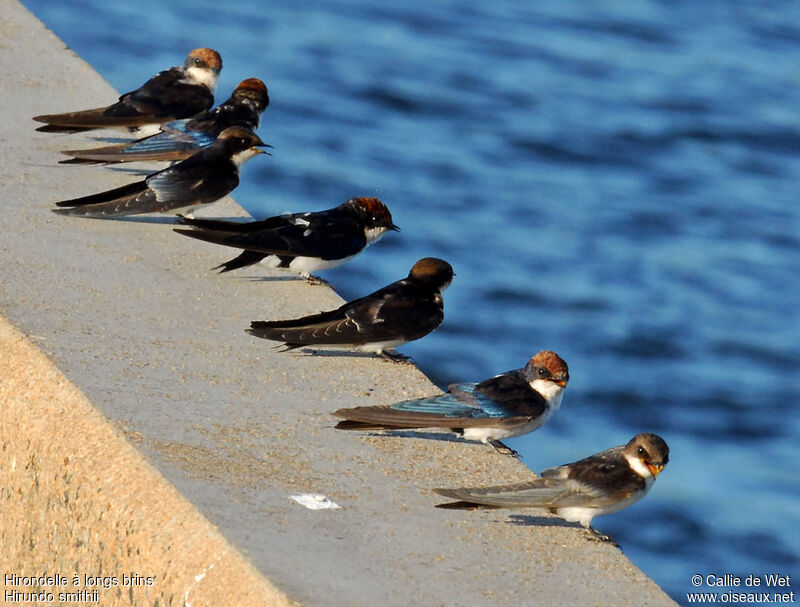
<point x="201" y="179"/>
<point x="301" y="242"/>
<point x="180" y="139"/>
<point x="178" y="92"/>
<point x="599" y="484"/>
<point x="394" y="315"/>
<point x="509" y="404"/>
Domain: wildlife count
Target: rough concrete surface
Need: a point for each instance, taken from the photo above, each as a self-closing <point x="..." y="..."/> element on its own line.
<point x="77" y="499"/>
<point x="129" y="312"/>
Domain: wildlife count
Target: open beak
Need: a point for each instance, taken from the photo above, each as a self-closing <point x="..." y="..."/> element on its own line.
<point x="655" y="469"/>
<point x="561" y="382"/>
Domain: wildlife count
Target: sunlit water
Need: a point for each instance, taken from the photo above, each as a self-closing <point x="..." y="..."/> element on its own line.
<point x="615" y="181"/>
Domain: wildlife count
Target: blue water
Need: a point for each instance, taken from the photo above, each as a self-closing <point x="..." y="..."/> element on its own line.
<point x="613" y="180"/>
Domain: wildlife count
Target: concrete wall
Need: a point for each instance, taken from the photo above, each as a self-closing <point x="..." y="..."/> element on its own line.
<point x="174" y="445"/>
<point x="76" y="498"/>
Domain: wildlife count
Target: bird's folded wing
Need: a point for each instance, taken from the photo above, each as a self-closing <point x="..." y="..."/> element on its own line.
<point x="538" y="493"/>
<point x="193" y="183"/>
<point x="282" y="239"/>
<point x="168" y="95"/>
<point x="392" y="314"/>
<point x="172" y="145"/>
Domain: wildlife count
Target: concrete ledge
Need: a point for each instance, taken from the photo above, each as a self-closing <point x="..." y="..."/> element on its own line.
<point x="76" y="498"/>
<point x="131" y="315"/>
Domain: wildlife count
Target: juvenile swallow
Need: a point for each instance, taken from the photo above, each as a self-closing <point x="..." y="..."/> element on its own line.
<point x="396" y="314"/>
<point x="180" y="139"/>
<point x="201" y="179"/>
<point x="301" y="242"/>
<point x="506" y="405"/>
<point x="179" y="92"/>
<point x="599" y="484"/>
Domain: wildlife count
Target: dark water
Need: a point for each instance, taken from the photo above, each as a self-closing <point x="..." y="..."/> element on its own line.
<point x="613" y="180"/>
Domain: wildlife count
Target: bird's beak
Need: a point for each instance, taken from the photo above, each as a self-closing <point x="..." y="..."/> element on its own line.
<point x="260" y="151"/>
<point x="394" y="228"/>
<point x="561" y="382"/>
<point x="655" y="469"/>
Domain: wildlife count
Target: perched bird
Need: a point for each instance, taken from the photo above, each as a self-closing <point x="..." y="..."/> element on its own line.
<point x="179" y="92"/>
<point x="510" y="404"/>
<point x="180" y="139"/>
<point x="599" y="484"/>
<point x="201" y="179"/>
<point x="301" y="242"/>
<point x="396" y="314"/>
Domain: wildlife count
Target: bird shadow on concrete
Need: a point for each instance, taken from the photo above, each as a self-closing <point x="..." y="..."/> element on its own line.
<point x="447" y="437"/>
<point x="167" y="220"/>
<point x="132" y="170"/>
<point x="591" y="534"/>
<point x="437" y="436"/>
<point x="108" y="139"/>
<point x="286" y="278"/>
<point x="289" y="276"/>
<point x="302" y="352"/>
<point x="391" y="356"/>
<point x="529" y="520"/>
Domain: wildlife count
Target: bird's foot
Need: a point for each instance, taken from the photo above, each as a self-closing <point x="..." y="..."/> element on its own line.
<point x="503" y="449"/>
<point x="316" y="281"/>
<point x="593" y="535"/>
<point x="395" y="357"/>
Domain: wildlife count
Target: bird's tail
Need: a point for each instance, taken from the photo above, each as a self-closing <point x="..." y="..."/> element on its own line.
<point x="86" y="120"/>
<point x="222" y="225"/>
<point x="126" y="191"/>
<point x="56" y="128"/>
<point x="131" y="199"/>
<point x="243" y="260"/>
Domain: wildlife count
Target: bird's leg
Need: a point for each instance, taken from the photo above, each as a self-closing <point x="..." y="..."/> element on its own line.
<point x="502" y="448"/>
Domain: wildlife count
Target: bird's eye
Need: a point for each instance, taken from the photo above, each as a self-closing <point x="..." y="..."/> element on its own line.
<point x="640" y="451"/>
<point x="542" y="372"/>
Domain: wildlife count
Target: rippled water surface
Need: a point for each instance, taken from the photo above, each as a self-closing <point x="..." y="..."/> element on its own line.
<point x="613" y="180"/>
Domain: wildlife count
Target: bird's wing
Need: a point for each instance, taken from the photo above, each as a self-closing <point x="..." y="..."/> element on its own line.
<point x="513" y="392"/>
<point x="174" y="143"/>
<point x="602" y="470"/>
<point x="194" y="181"/>
<point x="167" y="95"/>
<point x="399" y="310"/>
<point x="537" y="493"/>
<point x="460" y="407"/>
